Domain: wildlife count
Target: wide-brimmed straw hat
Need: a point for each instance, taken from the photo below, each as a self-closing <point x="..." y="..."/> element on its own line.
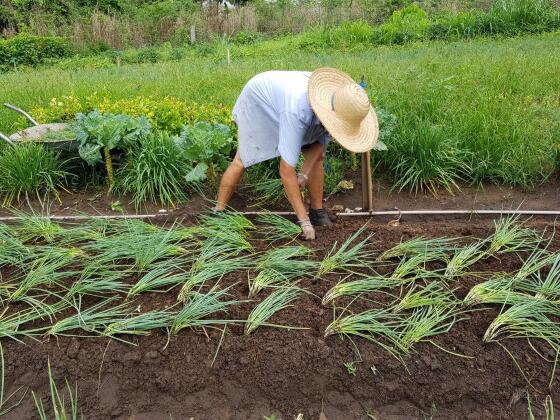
<point x="344" y="109"/>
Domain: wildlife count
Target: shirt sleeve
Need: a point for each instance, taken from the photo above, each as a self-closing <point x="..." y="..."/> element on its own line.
<point x="291" y="133"/>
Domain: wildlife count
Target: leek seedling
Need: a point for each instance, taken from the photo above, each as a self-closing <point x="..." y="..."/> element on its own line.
<point x="347" y="256"/>
<point x="12" y="250"/>
<point x="548" y="408"/>
<point x="223" y="243"/>
<point x="162" y="277"/>
<point x="58" y="403"/>
<point x="268" y="191"/>
<point x="5" y="405"/>
<point x="33" y="227"/>
<point x="225" y="221"/>
<point x="437" y="248"/>
<point x="357" y="287"/>
<point x="463" y="258"/>
<point x="425" y="322"/>
<point x="528" y="319"/>
<point x="278" y="228"/>
<point x="412" y="268"/>
<point x="376" y="325"/>
<point x="98" y="279"/>
<point x="434" y="294"/>
<point x="276" y="301"/>
<point x="141" y="324"/>
<point x="200" y="305"/>
<point x="496" y="290"/>
<point x="538" y="259"/>
<point x="206" y="270"/>
<point x="93" y="319"/>
<point x="279" y="266"/>
<point x="45" y="271"/>
<point x="547" y="288"/>
<point x="511" y="236"/>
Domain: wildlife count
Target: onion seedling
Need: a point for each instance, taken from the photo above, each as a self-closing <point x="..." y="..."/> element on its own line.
<point x="45" y="271"/>
<point x="511" y="236"/>
<point x="347" y="256"/>
<point x="98" y="279"/>
<point x="5" y="400"/>
<point x="278" y="228"/>
<point x="547" y="288"/>
<point x="276" y="301"/>
<point x="463" y="258"/>
<point x="496" y="290"/>
<point x="205" y="270"/>
<point x="279" y="266"/>
<point x="379" y="326"/>
<point x="538" y="259"/>
<point x="268" y="191"/>
<point x="162" y="277"/>
<point x="528" y="319"/>
<point x="224" y="221"/>
<point x="200" y="305"/>
<point x="413" y="268"/>
<point x="93" y="319"/>
<point x="425" y="322"/>
<point x="141" y="324"/>
<point x="58" y="403"/>
<point x="12" y="250"/>
<point x="433" y="294"/>
<point x="421" y="246"/>
<point x="365" y="284"/>
<point x="33" y="227"/>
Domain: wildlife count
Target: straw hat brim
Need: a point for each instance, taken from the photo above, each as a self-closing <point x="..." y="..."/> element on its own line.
<point x="357" y="138"/>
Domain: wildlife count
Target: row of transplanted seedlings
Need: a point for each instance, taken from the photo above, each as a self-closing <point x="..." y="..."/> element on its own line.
<point x="50" y="268"/>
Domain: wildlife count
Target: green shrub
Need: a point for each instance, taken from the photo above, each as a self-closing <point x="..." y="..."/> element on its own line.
<point x="148" y="55"/>
<point x="31" y="50"/>
<point x="512" y="17"/>
<point x="348" y="35"/>
<point x="406" y="25"/>
<point x="29" y="170"/>
<point x="245" y="37"/>
<point x="154" y="171"/>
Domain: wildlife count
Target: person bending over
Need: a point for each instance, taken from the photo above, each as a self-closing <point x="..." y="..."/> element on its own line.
<point x="285" y="113"/>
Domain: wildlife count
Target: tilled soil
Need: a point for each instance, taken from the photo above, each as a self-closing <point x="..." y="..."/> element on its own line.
<point x="285" y="372"/>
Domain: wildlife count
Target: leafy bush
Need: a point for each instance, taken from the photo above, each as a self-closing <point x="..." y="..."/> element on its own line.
<point x="245" y="37"/>
<point x="348" y="35"/>
<point x="167" y="114"/>
<point x="207" y="147"/>
<point x="96" y="132"/>
<point x="148" y="55"/>
<point x="31" y="50"/>
<point x="405" y="25"/>
<point x="154" y="171"/>
<point x="29" y="170"/>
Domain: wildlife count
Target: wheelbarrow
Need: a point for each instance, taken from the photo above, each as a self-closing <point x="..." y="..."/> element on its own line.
<point x="45" y="134"/>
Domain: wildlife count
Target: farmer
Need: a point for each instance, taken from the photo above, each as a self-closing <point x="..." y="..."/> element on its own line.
<point x="284" y="113"/>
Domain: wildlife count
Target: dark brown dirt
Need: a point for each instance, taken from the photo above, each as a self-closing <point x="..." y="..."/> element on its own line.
<point x="541" y="197"/>
<point x="286" y="372"/>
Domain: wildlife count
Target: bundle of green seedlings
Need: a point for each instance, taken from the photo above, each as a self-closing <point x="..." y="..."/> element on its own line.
<point x="414" y="268"/>
<point x="12" y="250"/>
<point x="364" y="284"/>
<point x="532" y="319"/>
<point x="277" y="228"/>
<point x="348" y="257"/>
<point x="32" y="227"/>
<point x="141" y="324"/>
<point x="497" y="290"/>
<point x="433" y="294"/>
<point x="161" y="277"/>
<point x="142" y="248"/>
<point x="437" y="248"/>
<point x="199" y="306"/>
<point x="282" y="266"/>
<point x="511" y="236"/>
<point x="99" y="279"/>
<point x="544" y="287"/>
<point x="279" y="299"/>
<point x="463" y="258"/>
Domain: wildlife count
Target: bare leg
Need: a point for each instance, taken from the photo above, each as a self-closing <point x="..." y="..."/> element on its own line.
<point x="230" y="180"/>
<point x="313" y="169"/>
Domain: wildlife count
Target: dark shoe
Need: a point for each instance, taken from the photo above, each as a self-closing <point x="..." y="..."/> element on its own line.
<point x="319" y="217"/>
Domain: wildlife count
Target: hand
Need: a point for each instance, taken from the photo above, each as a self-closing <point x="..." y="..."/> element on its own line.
<point x="308" y="230"/>
<point x="302" y="180"/>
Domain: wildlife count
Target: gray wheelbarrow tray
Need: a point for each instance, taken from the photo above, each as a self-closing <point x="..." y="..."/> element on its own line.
<point x="37" y="132"/>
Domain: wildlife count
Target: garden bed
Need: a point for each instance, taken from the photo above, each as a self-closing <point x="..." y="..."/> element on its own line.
<point x="274" y="371"/>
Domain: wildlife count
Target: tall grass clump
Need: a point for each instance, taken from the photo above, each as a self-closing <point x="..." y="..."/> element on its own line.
<point x="154" y="172"/>
<point x="29" y="171"/>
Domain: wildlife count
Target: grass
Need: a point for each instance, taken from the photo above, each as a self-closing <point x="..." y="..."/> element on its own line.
<point x="36" y="227"/>
<point x="465" y="110"/>
<point x="61" y="408"/>
<point x="154" y="172"/>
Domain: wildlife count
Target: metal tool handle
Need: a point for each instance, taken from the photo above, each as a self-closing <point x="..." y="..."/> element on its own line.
<point x="22" y="112"/>
<point x="6" y="139"/>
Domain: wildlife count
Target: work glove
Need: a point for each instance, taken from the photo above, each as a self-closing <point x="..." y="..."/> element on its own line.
<point x="302" y="180"/>
<point x="308" y="231"/>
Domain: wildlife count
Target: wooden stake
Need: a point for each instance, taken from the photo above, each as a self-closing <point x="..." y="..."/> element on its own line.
<point x="193" y="34"/>
<point x="367" y="182"/>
